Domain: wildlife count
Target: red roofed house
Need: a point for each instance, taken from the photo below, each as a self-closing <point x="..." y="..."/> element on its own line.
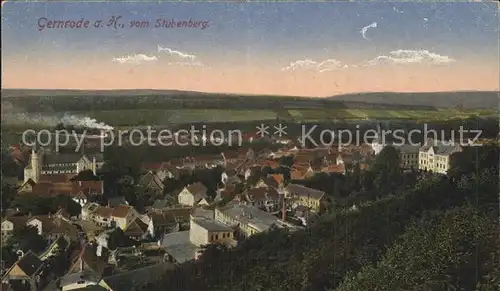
<point x="123" y="215"/>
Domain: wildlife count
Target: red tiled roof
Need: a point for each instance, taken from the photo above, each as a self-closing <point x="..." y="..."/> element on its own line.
<point x="72" y="188"/>
<point x="121" y="211"/>
<point x="296" y="174"/>
<point x="334" y="169"/>
<point x="56" y="178"/>
<point x="278" y="178"/>
<point x="137" y="227"/>
<point x="103" y="211"/>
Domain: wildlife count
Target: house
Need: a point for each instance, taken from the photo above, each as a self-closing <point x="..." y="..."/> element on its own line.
<point x="83" y="280"/>
<point x="139" y="278"/>
<point x="27" y="271"/>
<point x="436" y="156"/>
<point x="312" y="198"/>
<point x="152" y="181"/>
<point x="11" y="223"/>
<point x="123" y="215"/>
<point x="115" y="201"/>
<point x="100" y="215"/>
<point x="247" y="219"/>
<point x="299" y="172"/>
<point x="205" y="231"/>
<point x="162" y="170"/>
<point x="85" y="270"/>
<point x="45" y="163"/>
<point x="229" y="192"/>
<point x="90" y="229"/>
<point x="162" y="223"/>
<point x="207" y="201"/>
<point x="334" y="169"/>
<point x="79" y="191"/>
<point x="192" y="194"/>
<point x="52" y="226"/>
<point x="408" y="155"/>
<point x="263" y="198"/>
<point x="186" y="245"/>
<point x="137" y="229"/>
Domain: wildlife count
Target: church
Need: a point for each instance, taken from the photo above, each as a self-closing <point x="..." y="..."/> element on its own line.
<point x="43" y="163"/>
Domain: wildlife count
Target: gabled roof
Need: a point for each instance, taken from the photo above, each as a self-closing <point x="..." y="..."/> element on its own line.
<point x="103" y="211"/>
<point x="303" y="191"/>
<point x="334" y="169"/>
<point x="180" y="213"/>
<point x="55" y="224"/>
<point x="297" y="174"/>
<point x="121" y="211"/>
<point x="162" y="219"/>
<point x="137" y="277"/>
<point x="29" y="265"/>
<point x="151" y="179"/>
<point x="197" y="189"/>
<point x="72" y="188"/>
<point x="137" y="227"/>
<point x="88" y="259"/>
<point x="441" y="148"/>
<point x="261" y="194"/>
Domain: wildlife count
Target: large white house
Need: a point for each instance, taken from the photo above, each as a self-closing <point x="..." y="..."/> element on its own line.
<point x="437" y="156"/>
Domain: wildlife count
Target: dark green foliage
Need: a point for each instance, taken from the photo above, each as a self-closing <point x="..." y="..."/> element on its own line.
<point x="118" y="239"/>
<point x="26" y="238"/>
<point x="448" y="251"/>
<point x="387" y="171"/>
<point x="37" y="205"/>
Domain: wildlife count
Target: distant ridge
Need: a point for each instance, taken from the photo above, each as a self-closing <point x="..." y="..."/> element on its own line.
<point x="459" y="99"/>
<point x="464" y="99"/>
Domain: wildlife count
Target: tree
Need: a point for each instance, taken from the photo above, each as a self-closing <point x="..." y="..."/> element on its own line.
<point x="118" y="239"/>
<point x="26" y="238"/>
<point x="8" y="194"/>
<point x="387" y="171"/>
<point x="86" y="175"/>
<point x="36" y="205"/>
<point x="9" y="256"/>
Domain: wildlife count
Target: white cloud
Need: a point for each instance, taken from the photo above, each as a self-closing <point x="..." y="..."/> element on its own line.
<point x="307" y="64"/>
<point x="187" y="64"/>
<point x="135" y="59"/>
<point x="179" y="54"/>
<point x="411" y="57"/>
<point x="365" y="29"/>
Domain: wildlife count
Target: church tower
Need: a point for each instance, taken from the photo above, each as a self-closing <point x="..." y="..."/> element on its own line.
<point x="36" y="164"/>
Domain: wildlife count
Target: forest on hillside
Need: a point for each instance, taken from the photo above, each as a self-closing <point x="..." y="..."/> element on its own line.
<point x="417" y="231"/>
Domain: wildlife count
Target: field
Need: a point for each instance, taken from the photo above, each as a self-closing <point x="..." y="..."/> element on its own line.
<point x="144" y="117"/>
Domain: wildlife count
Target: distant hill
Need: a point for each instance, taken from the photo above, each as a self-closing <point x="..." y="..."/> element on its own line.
<point x="470" y="99"/>
<point x="68" y="100"/>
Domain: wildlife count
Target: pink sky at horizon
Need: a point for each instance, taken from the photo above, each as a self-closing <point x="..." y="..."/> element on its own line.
<point x="94" y="75"/>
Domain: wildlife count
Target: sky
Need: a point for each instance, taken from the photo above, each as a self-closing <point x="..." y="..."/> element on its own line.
<point x="301" y="49"/>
